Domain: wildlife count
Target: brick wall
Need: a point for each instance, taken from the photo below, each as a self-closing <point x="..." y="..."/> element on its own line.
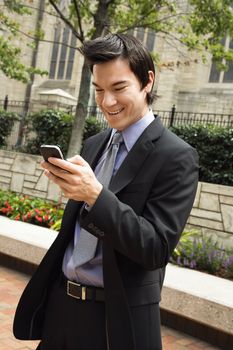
<point x="212" y="210"/>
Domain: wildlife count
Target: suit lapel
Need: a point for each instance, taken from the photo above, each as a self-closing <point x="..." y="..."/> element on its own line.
<point x="94" y="148"/>
<point x="137" y="156"/>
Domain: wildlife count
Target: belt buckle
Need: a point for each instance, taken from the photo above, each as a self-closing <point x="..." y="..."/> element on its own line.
<point x="83" y="290"/>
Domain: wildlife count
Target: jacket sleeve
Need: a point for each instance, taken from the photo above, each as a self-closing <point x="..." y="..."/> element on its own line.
<point x="150" y="237"/>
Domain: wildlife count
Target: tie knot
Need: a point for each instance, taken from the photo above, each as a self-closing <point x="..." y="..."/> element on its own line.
<point x="117" y="138"/>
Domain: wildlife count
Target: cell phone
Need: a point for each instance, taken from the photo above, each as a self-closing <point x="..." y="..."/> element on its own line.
<point x="51" y="151"/>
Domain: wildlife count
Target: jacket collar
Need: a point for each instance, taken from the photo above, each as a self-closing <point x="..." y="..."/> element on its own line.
<point x="137" y="156"/>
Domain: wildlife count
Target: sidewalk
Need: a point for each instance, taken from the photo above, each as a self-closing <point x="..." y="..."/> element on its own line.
<point x="11" y="287"/>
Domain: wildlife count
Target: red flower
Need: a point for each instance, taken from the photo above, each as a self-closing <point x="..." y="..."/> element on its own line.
<point x="38" y="218"/>
<point x="17" y="217"/>
<point x="8" y="205"/>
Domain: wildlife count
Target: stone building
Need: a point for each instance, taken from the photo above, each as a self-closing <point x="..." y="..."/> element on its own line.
<point x="190" y="84"/>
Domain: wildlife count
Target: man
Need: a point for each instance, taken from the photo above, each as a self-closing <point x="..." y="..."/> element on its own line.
<point x="111" y="300"/>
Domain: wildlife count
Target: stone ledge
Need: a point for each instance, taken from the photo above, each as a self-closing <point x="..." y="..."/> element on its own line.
<point x="198" y="296"/>
<point x="24" y="241"/>
<point x="194" y="295"/>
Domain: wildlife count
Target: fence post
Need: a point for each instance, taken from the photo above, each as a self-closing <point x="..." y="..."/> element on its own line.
<point x="173" y="111"/>
<point x="5" y="105"/>
<point x="22" y="124"/>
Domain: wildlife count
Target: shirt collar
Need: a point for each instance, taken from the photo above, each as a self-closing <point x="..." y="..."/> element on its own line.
<point x="132" y="133"/>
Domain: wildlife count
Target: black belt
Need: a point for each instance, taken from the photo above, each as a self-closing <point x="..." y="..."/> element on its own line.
<point x="81" y="292"/>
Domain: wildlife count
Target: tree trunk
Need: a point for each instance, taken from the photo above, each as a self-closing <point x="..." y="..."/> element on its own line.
<point x="100" y="20"/>
<point x="80" y="112"/>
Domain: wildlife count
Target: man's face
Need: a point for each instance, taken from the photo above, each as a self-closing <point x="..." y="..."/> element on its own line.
<point x="118" y="93"/>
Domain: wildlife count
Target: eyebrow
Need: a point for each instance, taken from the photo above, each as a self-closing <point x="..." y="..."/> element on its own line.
<point x="114" y="84"/>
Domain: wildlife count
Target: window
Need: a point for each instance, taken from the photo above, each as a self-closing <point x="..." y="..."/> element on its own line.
<point x="228" y="76"/>
<point x="217" y="76"/>
<point x="53" y="62"/>
<point x="140" y="33"/>
<point x="62" y="59"/>
<point x="71" y="58"/>
<point x="146" y="36"/>
<point x="150" y="40"/>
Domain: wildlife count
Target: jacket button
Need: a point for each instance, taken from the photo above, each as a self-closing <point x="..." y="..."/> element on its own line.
<point x="91" y="226"/>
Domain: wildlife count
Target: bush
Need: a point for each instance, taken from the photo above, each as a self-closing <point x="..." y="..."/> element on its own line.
<point x="32" y="210"/>
<point x="7" y="120"/>
<point x="54" y="127"/>
<point x="92" y="127"/>
<point x="199" y="252"/>
<point x="215" y="148"/>
<point x="51" y="127"/>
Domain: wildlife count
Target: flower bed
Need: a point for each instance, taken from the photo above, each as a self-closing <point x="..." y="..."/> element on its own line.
<point x="32" y="210"/>
<point x="202" y="253"/>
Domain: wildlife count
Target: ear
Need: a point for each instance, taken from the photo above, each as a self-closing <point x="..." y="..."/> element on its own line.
<point x="151" y="79"/>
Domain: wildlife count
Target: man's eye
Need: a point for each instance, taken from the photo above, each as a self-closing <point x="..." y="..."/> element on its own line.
<point x="119" y="89"/>
<point x="98" y="90"/>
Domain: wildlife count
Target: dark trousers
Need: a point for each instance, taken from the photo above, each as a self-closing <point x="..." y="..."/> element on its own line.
<point x="71" y="324"/>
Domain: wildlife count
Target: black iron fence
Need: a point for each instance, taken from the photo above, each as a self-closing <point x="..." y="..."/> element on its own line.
<point x="24" y="107"/>
<point x="13" y="106"/>
<point x="174" y="117"/>
<point x="94" y="111"/>
<point x="169" y="117"/>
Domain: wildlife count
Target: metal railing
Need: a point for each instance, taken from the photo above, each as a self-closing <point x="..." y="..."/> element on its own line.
<point x="169" y="118"/>
<point x="174" y="118"/>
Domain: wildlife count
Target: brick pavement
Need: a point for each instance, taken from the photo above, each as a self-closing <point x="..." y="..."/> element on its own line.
<point x="12" y="284"/>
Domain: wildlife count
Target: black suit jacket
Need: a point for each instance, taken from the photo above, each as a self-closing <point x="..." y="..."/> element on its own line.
<point x="139" y="220"/>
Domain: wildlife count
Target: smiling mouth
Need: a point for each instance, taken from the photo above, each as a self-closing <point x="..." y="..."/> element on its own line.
<point x="116" y="112"/>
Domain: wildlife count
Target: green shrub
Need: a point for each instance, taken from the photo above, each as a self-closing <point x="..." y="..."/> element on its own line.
<point x="51" y="127"/>
<point x="92" y="127"/>
<point x="215" y="148"/>
<point x="32" y="210"/>
<point x="54" y="127"/>
<point x="7" y="120"/>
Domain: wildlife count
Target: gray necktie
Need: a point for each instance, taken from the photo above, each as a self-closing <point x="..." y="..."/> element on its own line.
<point x="85" y="249"/>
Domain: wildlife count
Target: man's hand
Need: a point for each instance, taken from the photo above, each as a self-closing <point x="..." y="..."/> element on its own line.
<point x="75" y="178"/>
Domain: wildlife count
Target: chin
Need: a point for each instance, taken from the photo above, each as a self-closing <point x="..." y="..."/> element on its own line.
<point x="113" y="123"/>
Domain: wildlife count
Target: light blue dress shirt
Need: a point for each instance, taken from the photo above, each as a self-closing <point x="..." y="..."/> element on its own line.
<point x="91" y="273"/>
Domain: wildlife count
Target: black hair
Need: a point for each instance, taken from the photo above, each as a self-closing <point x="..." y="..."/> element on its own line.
<point x="112" y="46"/>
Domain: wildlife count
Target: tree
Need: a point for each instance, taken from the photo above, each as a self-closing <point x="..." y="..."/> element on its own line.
<point x="197" y="25"/>
<point x="86" y="20"/>
<point x="10" y="56"/>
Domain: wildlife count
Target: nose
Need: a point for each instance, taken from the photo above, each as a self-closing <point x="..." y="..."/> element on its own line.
<point x="109" y="100"/>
